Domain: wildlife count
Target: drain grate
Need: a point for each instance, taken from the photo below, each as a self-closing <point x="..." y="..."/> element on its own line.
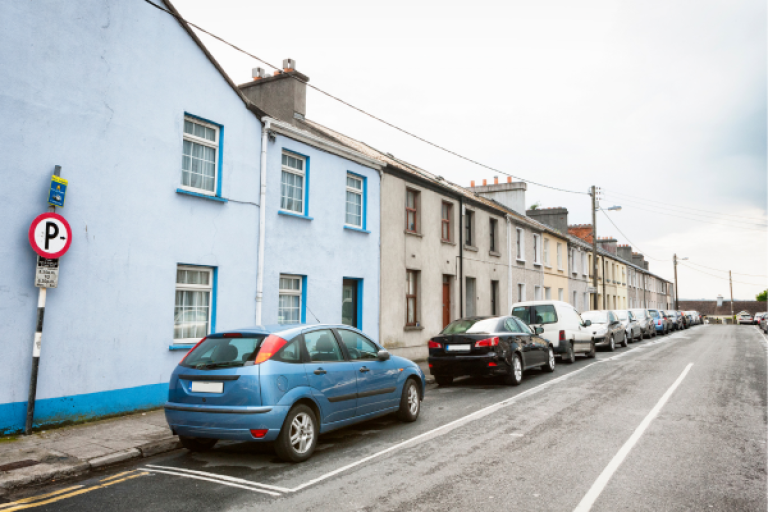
<point x="18" y="465"/>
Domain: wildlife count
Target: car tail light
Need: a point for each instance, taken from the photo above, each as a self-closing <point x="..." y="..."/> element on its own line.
<point x="435" y="344"/>
<point x="430" y="365"/>
<point x="269" y="347"/>
<point x="492" y="364"/>
<point x="488" y="342"/>
<point x="562" y="335"/>
<point x="259" y="433"/>
<point x="192" y="349"/>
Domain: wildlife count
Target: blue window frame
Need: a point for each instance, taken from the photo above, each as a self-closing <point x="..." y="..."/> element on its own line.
<point x="356" y="201"/>
<point x="195" y="304"/>
<point x="202" y="157"/>
<point x="358" y="306"/>
<point x="294" y="184"/>
<point x="292" y="299"/>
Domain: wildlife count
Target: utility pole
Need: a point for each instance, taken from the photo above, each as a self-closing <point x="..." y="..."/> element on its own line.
<point x="674" y="263"/>
<point x="594" y="246"/>
<point x="730" y="282"/>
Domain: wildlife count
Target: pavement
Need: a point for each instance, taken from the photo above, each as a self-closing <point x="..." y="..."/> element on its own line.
<point x="678" y="422"/>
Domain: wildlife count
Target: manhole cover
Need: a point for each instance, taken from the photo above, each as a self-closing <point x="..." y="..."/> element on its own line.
<point x="18" y="465"/>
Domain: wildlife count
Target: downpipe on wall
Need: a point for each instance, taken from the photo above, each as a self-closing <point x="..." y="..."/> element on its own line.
<point x="262" y="217"/>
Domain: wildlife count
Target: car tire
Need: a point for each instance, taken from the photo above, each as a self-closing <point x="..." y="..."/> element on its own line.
<point x="515" y="375"/>
<point x="592" y="351"/>
<point x="611" y="345"/>
<point x="625" y="343"/>
<point x="298" y="437"/>
<point x="569" y="356"/>
<point x="197" y="444"/>
<point x="550" y="366"/>
<point x="443" y="380"/>
<point x="410" y="402"/>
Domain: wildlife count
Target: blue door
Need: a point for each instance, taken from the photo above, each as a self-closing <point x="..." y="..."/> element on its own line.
<point x="376" y="380"/>
<point x="332" y="378"/>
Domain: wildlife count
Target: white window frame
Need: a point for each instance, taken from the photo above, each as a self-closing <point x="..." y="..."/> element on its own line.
<point x="575" y="300"/>
<point x="520" y="242"/>
<point x="302" y="173"/>
<point x="196" y="288"/>
<point x="536" y="292"/>
<point x="585" y="263"/>
<point x="561" y="294"/>
<point x="215" y="145"/>
<point x="546" y="253"/>
<point x="559" y="256"/>
<point x="586" y="305"/>
<point x="537" y="249"/>
<point x="547" y="293"/>
<point x="521" y="292"/>
<point x="281" y="291"/>
<point x="359" y="192"/>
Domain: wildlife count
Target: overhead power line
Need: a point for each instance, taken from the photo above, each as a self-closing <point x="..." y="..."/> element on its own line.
<point x="721" y="270"/>
<point x="706" y="221"/>
<point x="628" y="240"/>
<point x="372" y="116"/>
<point x="719" y="277"/>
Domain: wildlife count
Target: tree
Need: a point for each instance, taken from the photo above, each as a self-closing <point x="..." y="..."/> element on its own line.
<point x="762" y="296"/>
<point x="535" y="206"/>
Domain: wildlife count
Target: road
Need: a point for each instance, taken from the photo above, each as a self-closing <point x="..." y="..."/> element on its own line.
<point x="674" y="423"/>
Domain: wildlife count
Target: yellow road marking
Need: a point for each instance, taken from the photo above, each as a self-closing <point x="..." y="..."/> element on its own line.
<point x="33" y="498"/>
<point x="22" y="506"/>
<point x="118" y="475"/>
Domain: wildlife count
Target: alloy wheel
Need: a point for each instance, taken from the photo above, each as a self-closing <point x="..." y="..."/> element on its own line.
<point x="302" y="432"/>
<point x="551" y="358"/>
<point x="413" y="399"/>
<point x="517" y="368"/>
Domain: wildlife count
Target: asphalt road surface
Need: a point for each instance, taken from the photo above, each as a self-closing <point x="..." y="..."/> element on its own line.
<point x="673" y="423"/>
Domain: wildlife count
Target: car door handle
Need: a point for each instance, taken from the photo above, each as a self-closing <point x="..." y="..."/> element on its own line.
<point x="363" y="369"/>
<point x="320" y="371"/>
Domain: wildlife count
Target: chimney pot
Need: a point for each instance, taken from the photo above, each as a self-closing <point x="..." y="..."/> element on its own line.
<point x="258" y="73"/>
<point x="277" y="72"/>
<point x="472" y="183"/>
<point x="495" y="180"/>
<point x="289" y="65"/>
<point x="509" y="179"/>
<point x="485" y="182"/>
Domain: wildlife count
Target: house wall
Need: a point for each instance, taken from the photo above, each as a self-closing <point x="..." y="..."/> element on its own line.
<point x="100" y="88"/>
<point x="578" y="281"/>
<point x="485" y="265"/>
<point x="556" y="277"/>
<point x="526" y="270"/>
<point x="317" y="245"/>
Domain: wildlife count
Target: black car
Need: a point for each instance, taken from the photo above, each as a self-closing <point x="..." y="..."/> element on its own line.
<point x="476" y="346"/>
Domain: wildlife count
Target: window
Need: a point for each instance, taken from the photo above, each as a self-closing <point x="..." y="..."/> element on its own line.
<point x="199" y="161"/>
<point x="471" y="297"/>
<point x="411" y="297"/>
<point x="547" y="293"/>
<point x="623" y="276"/>
<point x="411" y="210"/>
<point x="520" y="245"/>
<point x="192" y="314"/>
<point x="536" y="249"/>
<point x="322" y="346"/>
<point x="586" y="305"/>
<point x="292" y="184"/>
<point x="358" y="346"/>
<point x="537" y="292"/>
<point x="494" y="298"/>
<point x="469" y="221"/>
<point x="544" y="314"/>
<point x="493" y="229"/>
<point x="560" y="256"/>
<point x="570" y="260"/>
<point x="354" y="214"/>
<point x="289" y="305"/>
<point x="520" y="292"/>
<point x="560" y="294"/>
<point x="546" y="252"/>
<point x="512" y="325"/>
<point x="584" y="263"/>
<point x="447" y="215"/>
<point x="575" y="301"/>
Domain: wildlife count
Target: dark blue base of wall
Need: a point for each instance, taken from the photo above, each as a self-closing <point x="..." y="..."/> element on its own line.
<point x="76" y="408"/>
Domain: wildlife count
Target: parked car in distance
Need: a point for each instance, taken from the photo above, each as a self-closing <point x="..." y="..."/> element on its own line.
<point x="676" y="318"/>
<point x="562" y="326"/>
<point x="745" y="319"/>
<point x="631" y="327"/>
<point x="499" y="345"/>
<point x="687" y="320"/>
<point x="606" y="328"/>
<point x="645" y="321"/>
<point x="695" y="317"/>
<point x="287" y="384"/>
<point x="758" y="318"/>
<point x="764" y="323"/>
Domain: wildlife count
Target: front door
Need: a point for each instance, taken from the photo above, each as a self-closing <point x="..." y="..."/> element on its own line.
<point x="349" y="303"/>
<point x="446" y="301"/>
<point x="376" y="380"/>
<point x="332" y="378"/>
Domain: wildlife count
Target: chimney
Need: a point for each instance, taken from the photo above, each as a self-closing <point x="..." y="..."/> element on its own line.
<point x="583" y="231"/>
<point x="638" y="260"/>
<point x="608" y="244"/>
<point x="625" y="252"/>
<point x="553" y="217"/>
<point x="511" y="195"/>
<point x="282" y="96"/>
<point x="646" y="265"/>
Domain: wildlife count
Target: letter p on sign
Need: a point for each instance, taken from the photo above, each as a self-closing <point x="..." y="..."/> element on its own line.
<point x="50" y="235"/>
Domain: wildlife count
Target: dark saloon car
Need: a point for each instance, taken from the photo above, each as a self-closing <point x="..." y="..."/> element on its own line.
<point x="503" y="346"/>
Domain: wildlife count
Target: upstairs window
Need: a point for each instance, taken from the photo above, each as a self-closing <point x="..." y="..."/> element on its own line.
<point x="292" y="183"/>
<point x="354" y="214"/>
<point x="446" y="214"/>
<point x="546" y="252"/>
<point x="560" y="256"/>
<point x="411" y="210"/>
<point x="493" y="232"/>
<point x="536" y="249"/>
<point x="520" y="245"/>
<point x="469" y="221"/>
<point x="199" y="162"/>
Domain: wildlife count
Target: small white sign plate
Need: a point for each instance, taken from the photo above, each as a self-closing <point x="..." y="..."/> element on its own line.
<point x="458" y="348"/>
<point x="47" y="273"/>
<point x="199" y="386"/>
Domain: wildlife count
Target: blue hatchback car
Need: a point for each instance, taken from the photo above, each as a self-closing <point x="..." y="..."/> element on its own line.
<point x="287" y="384"/>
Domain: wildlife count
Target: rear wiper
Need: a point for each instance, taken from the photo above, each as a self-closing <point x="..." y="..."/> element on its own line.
<point x="221" y="365"/>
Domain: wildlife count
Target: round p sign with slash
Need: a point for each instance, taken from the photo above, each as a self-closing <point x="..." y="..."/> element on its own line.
<point x="50" y="235"/>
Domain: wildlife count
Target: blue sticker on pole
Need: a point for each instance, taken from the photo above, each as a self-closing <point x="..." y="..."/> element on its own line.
<point x="58" y="191"/>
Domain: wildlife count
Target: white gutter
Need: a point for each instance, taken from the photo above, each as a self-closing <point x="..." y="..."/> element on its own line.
<point x="510" y="291"/>
<point x="262" y="218"/>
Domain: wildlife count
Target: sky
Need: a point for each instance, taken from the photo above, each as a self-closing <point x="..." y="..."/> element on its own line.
<point x="661" y="104"/>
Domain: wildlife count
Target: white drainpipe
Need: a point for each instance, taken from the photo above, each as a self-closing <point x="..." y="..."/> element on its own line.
<point x="262" y="218"/>
<point x="510" y="291"/>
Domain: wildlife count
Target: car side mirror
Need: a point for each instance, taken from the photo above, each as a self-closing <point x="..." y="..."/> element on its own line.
<point x="538" y="330"/>
<point x="383" y="355"/>
<point x="587" y="323"/>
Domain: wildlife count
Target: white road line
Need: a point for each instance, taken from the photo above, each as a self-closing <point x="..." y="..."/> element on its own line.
<point x="222" y="477"/>
<point x="597" y="488"/>
<point x="214" y="480"/>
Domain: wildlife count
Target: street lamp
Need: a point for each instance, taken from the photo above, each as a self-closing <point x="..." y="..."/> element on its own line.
<point x="613" y="208"/>
<point x="674" y="261"/>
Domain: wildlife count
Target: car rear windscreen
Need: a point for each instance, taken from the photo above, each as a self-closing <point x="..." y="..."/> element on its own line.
<point x="487" y="325"/>
<point x="223" y="352"/>
<point x="596" y="317"/>
<point x="654" y="313"/>
<point x="523" y="313"/>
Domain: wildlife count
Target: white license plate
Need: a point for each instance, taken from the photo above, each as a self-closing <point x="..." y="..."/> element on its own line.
<point x="458" y="348"/>
<point x="199" y="386"/>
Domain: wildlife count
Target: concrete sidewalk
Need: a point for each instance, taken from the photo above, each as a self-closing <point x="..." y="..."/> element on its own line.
<point x="67" y="451"/>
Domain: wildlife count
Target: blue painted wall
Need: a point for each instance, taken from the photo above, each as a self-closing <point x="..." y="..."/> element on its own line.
<point x="100" y="87"/>
<point x="320" y="248"/>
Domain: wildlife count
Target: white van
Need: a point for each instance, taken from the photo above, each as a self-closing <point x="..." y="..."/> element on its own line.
<point x="562" y="324"/>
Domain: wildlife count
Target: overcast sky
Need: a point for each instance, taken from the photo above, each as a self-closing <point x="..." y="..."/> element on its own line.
<point x="660" y="103"/>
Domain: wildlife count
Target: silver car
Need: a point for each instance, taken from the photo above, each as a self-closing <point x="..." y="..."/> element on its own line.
<point x="631" y="327"/>
<point x="645" y="322"/>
